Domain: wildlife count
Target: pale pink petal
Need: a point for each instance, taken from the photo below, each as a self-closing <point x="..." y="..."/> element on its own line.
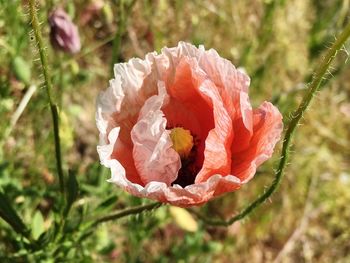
<point x="117" y="108"/>
<point x="105" y="151"/>
<point x="200" y="193"/>
<point x="196" y="194"/>
<point x="108" y="102"/>
<point x="132" y="75"/>
<point x="123" y="153"/>
<point x="154" y="157"/>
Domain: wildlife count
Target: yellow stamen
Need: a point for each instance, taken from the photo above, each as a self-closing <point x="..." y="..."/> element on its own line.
<point x="182" y="141"/>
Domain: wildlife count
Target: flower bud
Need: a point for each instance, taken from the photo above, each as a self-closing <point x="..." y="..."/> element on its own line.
<point x="64" y="34"/>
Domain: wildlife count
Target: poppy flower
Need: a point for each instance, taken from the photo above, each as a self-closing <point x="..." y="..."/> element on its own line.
<point x="63" y="33"/>
<point x="178" y="126"/>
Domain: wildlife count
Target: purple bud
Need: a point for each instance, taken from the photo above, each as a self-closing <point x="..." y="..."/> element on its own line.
<point x="64" y="34"/>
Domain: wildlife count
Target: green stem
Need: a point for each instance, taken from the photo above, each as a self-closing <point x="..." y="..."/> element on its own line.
<point x="124" y="11"/>
<point x="48" y="86"/>
<point x="9" y="215"/>
<point x="313" y="88"/>
<point x="119" y="34"/>
<point x="126" y="212"/>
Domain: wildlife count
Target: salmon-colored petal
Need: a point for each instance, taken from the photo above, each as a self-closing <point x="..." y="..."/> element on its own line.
<point x="200" y="193"/>
<point x="154" y="157"/>
<point x="183" y="88"/>
<point x="196" y="194"/>
<point x="114" y="150"/>
<point x="203" y="99"/>
<point x="192" y="195"/>
<point x="267" y="131"/>
<point x="123" y="153"/>
<point x="233" y="86"/>
<point x="228" y="183"/>
<point x="217" y="152"/>
<point x="179" y="115"/>
<point x="109" y="103"/>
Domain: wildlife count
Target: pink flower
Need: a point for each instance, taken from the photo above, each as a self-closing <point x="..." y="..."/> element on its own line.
<point x="64" y="34"/>
<point x="178" y="126"/>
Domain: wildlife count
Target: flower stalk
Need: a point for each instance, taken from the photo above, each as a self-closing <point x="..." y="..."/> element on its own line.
<point x="313" y="87"/>
<point x="124" y="11"/>
<point x="126" y="212"/>
<point x="119" y="34"/>
<point x="48" y="87"/>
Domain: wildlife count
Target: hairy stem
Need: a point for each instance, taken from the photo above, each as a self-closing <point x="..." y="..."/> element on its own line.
<point x="48" y="87"/>
<point x="313" y="87"/>
<point x="126" y="212"/>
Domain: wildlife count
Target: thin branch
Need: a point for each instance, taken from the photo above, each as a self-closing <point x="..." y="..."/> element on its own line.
<point x="126" y="212"/>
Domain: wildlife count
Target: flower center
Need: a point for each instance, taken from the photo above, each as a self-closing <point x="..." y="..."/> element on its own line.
<point x="182" y="141"/>
<point x="185" y="144"/>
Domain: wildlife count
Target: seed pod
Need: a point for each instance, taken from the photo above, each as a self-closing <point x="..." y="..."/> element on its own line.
<point x="64" y="34"/>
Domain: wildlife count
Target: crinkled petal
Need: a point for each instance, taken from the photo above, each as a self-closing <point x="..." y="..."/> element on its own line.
<point x="109" y="102"/>
<point x="183" y="87"/>
<point x="267" y="131"/>
<point x="192" y="195"/>
<point x="132" y="75"/>
<point x="154" y="157"/>
<point x="233" y="86"/>
<point x="217" y="152"/>
<point x="203" y="98"/>
<point x="231" y="82"/>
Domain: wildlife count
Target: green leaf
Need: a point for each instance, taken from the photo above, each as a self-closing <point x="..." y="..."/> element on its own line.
<point x="37" y="225"/>
<point x="8" y="213"/>
<point x="107" y="203"/>
<point x="21" y="70"/>
<point x="46" y="237"/>
<point x="72" y="191"/>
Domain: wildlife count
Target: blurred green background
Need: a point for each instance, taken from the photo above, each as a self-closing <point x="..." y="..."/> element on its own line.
<point x="278" y="43"/>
